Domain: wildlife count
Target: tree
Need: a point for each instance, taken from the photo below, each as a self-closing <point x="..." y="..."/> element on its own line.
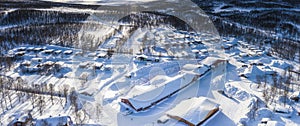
<point x="74" y="99"/>
<point x="66" y="90"/>
<point x="286" y="89"/>
<point x="98" y="110"/>
<point x="51" y="88"/>
<point x="258" y="80"/>
<point x="274" y="88"/>
<point x="32" y="99"/>
<point x="41" y="104"/>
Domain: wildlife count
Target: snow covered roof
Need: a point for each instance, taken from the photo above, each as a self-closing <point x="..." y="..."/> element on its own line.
<point x="265" y="120"/>
<point x="210" y="61"/>
<point x="154" y="96"/>
<point x="49" y="63"/>
<point x="296" y="94"/>
<point x="274" y="123"/>
<point x="98" y="64"/>
<point x="195" y="69"/>
<point x="37" y="49"/>
<point x="30" y="48"/>
<point x="68" y="51"/>
<point x="92" y="54"/>
<point x="20" y="53"/>
<point x="83" y="64"/>
<point x="57" y="51"/>
<point x="37" y="59"/>
<point x="193" y="110"/>
<point x="102" y="54"/>
<point x="49" y="50"/>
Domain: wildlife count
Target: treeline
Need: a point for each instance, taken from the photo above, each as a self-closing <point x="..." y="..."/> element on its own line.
<point x="151" y="19"/>
<point x="28" y="16"/>
<point x="63" y="33"/>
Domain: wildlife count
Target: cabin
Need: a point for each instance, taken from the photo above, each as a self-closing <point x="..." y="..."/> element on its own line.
<point x="37" y="60"/>
<point x="38" y="49"/>
<point x="57" y="52"/>
<point x="79" y="53"/>
<point x="93" y="54"/>
<point x="285" y="111"/>
<point x="195" y="51"/>
<point x="102" y="55"/>
<point x="213" y="62"/>
<point x="194" y="111"/>
<point x="20" y="53"/>
<point x="25" y="64"/>
<point x="265" y="120"/>
<point x="295" y="96"/>
<point x="29" y="49"/>
<point x="58" y="66"/>
<point x="68" y="52"/>
<point x="54" y="121"/>
<point x="84" y="64"/>
<point x="203" y="51"/>
<point x="22" y="121"/>
<point x="48" y="64"/>
<point x="107" y="67"/>
<point x="21" y="49"/>
<point x="48" y="51"/>
<point x="142" y="58"/>
<point x="98" y="65"/>
<point x="257" y="63"/>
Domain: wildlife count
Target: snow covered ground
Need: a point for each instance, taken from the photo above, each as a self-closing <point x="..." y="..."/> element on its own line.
<point x="166" y="69"/>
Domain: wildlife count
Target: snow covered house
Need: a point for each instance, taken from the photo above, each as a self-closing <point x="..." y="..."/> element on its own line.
<point x="194" y="111"/>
